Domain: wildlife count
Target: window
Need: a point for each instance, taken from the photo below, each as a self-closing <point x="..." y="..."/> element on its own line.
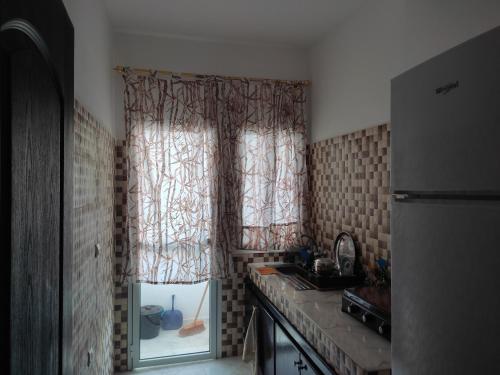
<point x="273" y="177"/>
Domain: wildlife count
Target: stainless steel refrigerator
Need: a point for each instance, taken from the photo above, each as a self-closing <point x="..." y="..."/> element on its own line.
<point x="445" y="219"/>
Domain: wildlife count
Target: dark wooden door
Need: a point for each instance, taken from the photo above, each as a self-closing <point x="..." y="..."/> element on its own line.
<point x="289" y="359"/>
<point x="287" y="356"/>
<point x="306" y="368"/>
<point x="266" y="342"/>
<point x="36" y="65"/>
<point x="265" y="332"/>
<point x="35" y="215"/>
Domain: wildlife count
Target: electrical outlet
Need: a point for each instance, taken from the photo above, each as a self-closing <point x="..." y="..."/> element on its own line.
<point x="97" y="250"/>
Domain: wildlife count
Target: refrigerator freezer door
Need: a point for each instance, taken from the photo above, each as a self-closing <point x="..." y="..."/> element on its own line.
<point x="445" y="118"/>
<point x="445" y="287"/>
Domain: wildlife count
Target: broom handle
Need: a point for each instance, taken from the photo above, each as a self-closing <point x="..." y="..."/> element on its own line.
<point x="201" y="302"/>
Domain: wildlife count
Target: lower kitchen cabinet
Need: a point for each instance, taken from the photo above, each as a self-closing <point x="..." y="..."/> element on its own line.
<point x="286" y="355"/>
<point x="266" y="336"/>
<point x="289" y="360"/>
<point x="282" y="349"/>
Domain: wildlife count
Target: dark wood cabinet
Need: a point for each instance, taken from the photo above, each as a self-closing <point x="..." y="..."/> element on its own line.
<point x="289" y="359"/>
<point x="36" y="110"/>
<point x="287" y="356"/>
<point x="282" y="349"/>
<point x="266" y="334"/>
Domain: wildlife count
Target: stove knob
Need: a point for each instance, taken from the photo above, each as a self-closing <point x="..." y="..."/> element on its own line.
<point x="365" y="317"/>
<point x="351" y="308"/>
<point x="381" y="328"/>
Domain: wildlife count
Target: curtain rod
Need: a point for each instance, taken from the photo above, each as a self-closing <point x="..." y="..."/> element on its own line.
<point x="121" y="69"/>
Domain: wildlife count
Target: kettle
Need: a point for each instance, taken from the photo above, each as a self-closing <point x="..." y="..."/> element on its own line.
<point x="323" y="266"/>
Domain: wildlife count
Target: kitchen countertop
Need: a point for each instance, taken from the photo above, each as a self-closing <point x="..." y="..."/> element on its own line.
<point x="346" y="344"/>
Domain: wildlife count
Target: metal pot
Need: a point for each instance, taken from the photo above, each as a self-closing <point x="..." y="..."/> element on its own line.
<point x="324" y="266"/>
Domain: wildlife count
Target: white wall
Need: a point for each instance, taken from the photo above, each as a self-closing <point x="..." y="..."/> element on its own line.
<point x="187" y="55"/>
<point x="352" y="66"/>
<point x="187" y="298"/>
<point x="205" y="57"/>
<point x="93" y="58"/>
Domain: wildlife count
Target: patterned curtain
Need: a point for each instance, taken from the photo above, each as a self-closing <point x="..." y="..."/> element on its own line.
<point x="272" y="160"/>
<point x="213" y="165"/>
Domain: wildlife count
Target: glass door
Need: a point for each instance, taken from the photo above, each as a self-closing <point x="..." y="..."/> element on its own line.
<point x="173" y="323"/>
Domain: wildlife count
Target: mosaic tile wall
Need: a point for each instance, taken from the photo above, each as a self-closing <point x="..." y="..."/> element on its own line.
<point x="233" y="301"/>
<point x="120" y="330"/>
<point x="93" y="224"/>
<point x="349" y="183"/>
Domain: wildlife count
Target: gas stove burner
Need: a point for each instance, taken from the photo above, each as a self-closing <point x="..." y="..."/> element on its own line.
<point x="371" y="306"/>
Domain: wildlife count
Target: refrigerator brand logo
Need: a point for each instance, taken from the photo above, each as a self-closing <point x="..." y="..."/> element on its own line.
<point x="446" y="88"/>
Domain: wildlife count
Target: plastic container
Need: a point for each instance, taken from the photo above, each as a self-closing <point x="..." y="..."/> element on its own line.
<point x="150" y="321"/>
<point x="171" y="319"/>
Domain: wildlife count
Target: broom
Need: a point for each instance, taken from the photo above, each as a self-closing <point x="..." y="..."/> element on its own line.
<point x="196" y="326"/>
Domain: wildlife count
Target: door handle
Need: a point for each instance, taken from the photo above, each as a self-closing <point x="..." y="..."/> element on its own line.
<point x="400" y="197"/>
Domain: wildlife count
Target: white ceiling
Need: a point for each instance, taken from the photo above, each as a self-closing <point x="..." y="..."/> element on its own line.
<point x="292" y="22"/>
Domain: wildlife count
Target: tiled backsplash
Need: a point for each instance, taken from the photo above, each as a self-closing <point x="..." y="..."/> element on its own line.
<point x="93" y="224"/>
<point x="349" y="186"/>
<point x="120" y="329"/>
<point x="233" y="300"/>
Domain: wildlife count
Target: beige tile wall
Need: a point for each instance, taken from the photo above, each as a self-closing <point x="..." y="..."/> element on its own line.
<point x="93" y="223"/>
<point x="349" y="186"/>
<point x="120" y="329"/>
<point x="233" y="301"/>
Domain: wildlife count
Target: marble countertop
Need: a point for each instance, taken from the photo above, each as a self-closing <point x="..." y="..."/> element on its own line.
<point x="346" y="344"/>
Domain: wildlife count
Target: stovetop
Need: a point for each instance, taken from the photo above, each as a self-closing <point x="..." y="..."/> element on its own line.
<point x="371" y="306"/>
<point x="373" y="298"/>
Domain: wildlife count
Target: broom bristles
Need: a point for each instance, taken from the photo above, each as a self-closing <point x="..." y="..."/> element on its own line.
<point x="192" y="328"/>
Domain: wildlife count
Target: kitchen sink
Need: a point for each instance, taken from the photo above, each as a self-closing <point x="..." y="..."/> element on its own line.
<point x="303" y="279"/>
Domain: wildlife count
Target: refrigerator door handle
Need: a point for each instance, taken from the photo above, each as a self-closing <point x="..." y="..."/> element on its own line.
<point x="400" y="197"/>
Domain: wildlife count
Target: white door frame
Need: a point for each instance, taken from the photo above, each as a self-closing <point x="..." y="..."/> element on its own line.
<point x="134" y="348"/>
